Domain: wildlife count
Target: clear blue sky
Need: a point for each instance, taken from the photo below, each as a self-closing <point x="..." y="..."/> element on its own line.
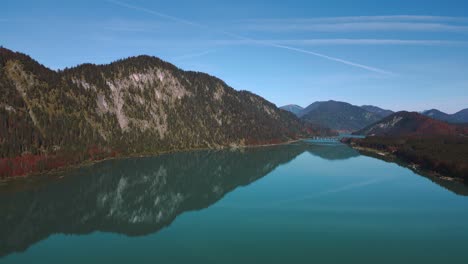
<point x="400" y="54"/>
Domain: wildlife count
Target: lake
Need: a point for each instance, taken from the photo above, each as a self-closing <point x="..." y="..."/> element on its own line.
<point x="296" y="203"/>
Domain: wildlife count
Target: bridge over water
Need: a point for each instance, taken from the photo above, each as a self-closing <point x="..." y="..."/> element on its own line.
<point x="324" y="139"/>
<point x="331" y="139"/>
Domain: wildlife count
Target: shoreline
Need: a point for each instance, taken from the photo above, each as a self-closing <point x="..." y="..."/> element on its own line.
<point x="416" y="168"/>
<point x="52" y="172"/>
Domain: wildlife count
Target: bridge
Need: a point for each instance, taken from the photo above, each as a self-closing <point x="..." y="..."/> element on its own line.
<point x="331" y="139"/>
<point x="324" y="139"/>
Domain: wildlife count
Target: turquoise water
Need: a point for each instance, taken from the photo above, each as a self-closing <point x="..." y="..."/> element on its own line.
<point x="299" y="203"/>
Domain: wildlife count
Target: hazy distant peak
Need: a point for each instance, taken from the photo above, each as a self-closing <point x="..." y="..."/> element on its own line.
<point x="293" y="108"/>
<point x="459" y="117"/>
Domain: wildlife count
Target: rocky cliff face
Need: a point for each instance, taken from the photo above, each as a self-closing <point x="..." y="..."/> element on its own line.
<point x="134" y="106"/>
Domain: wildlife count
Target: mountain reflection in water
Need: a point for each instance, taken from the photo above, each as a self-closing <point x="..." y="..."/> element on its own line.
<point x="136" y="196"/>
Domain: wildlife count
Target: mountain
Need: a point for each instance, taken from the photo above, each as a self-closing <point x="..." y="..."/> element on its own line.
<point x="377" y="110"/>
<point x="411" y="124"/>
<point x="436" y="114"/>
<point x="139" y="105"/>
<point x="459" y="117"/>
<point x="295" y="109"/>
<point x="338" y="115"/>
<point x="311" y="107"/>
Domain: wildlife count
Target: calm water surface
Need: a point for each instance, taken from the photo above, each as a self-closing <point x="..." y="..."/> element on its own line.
<point x="299" y="203"/>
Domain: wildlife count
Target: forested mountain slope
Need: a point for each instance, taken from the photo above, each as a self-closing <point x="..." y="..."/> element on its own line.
<point x="139" y="105"/>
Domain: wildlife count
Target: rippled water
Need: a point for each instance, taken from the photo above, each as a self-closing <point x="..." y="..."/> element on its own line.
<point x="298" y="203"/>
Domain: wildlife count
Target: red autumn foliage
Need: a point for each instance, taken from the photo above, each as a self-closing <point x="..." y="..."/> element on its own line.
<point x="30" y="164"/>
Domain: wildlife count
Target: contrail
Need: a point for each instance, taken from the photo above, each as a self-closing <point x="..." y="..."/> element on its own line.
<point x="270" y="44"/>
<point x="369" y="68"/>
<point x="194" y="55"/>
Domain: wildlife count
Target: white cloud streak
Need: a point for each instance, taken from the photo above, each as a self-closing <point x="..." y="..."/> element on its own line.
<point x="347" y="19"/>
<point x="318" y="42"/>
<point x="359" y="26"/>
<point x="131" y="25"/>
<point x="194" y="55"/>
<point x="152" y="12"/>
<point x="361" y="23"/>
<point x="270" y="44"/>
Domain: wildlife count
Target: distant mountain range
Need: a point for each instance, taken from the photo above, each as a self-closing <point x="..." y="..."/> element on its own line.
<point x="343" y="116"/>
<point x="458" y="117"/>
<point x="338" y="115"/>
<point x="412" y="124"/>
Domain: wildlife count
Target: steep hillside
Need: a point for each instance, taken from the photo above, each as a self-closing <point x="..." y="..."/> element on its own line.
<point x="377" y="110"/>
<point x="411" y="124"/>
<point x="139" y="105"/>
<point x="295" y="109"/>
<point x="338" y="115"/>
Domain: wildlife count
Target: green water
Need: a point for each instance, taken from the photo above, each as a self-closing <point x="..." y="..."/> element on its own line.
<point x="299" y="203"/>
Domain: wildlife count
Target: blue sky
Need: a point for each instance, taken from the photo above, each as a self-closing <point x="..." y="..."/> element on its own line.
<point x="410" y="55"/>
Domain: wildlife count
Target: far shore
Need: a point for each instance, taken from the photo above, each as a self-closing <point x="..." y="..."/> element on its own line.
<point x="86" y="163"/>
<point x="391" y="157"/>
